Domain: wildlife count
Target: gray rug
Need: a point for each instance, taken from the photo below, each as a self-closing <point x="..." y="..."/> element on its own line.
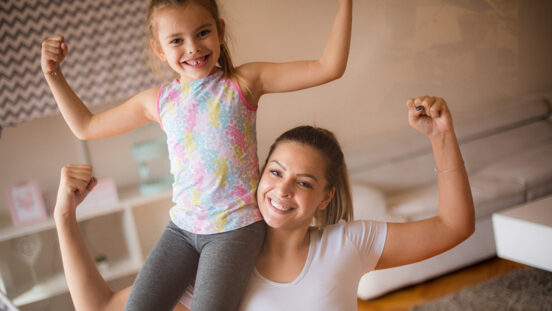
<point x="526" y="289"/>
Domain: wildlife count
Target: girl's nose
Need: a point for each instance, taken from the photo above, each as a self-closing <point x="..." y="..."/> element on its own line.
<point x="193" y="48"/>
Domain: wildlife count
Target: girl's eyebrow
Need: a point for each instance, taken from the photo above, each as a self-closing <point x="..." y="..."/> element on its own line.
<point x="300" y="175"/>
<point x="178" y="34"/>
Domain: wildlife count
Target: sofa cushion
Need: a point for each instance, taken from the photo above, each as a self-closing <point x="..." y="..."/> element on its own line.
<point x="498" y="117"/>
<point x="532" y="168"/>
<point x="369" y="203"/>
<point x="486" y="151"/>
<point x="490" y="194"/>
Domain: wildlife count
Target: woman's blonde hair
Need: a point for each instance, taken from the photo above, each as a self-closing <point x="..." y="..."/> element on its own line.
<point x="225" y="61"/>
<point x="341" y="205"/>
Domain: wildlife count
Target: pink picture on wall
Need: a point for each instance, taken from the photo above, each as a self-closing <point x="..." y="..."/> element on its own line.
<point x="26" y="203"/>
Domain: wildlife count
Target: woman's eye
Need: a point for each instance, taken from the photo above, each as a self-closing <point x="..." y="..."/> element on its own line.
<point x="305" y="184"/>
<point x="274" y="172"/>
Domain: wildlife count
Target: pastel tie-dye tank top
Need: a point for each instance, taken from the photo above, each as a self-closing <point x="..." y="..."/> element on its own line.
<point x="212" y="144"/>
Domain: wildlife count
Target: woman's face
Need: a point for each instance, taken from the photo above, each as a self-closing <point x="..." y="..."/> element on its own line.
<point x="292" y="186"/>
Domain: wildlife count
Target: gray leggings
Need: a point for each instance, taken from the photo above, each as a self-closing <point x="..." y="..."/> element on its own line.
<point x="220" y="263"/>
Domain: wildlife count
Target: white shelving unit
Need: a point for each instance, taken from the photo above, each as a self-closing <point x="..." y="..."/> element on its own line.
<point x="126" y="211"/>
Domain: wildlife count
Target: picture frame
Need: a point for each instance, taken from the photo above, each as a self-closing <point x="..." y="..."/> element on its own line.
<point x="26" y="203"/>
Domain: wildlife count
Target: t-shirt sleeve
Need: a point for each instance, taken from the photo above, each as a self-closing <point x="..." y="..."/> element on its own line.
<point x="369" y="239"/>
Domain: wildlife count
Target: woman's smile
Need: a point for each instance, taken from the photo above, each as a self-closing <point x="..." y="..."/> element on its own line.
<point x="279" y="207"/>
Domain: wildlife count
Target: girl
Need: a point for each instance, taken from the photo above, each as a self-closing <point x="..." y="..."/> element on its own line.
<point x="208" y="114"/>
<point x="305" y="180"/>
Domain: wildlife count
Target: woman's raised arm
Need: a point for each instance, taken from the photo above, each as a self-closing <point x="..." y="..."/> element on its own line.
<point x="87" y="287"/>
<point x="414" y="241"/>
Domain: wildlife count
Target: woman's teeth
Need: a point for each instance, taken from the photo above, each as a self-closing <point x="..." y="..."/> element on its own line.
<point x="279" y="207"/>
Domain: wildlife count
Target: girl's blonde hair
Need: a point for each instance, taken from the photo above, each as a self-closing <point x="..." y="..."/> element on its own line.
<point x="225" y="61"/>
<point x="341" y="205"/>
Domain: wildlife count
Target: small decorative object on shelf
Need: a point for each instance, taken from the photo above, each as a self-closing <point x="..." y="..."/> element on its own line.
<point x="149" y="149"/>
<point x="6" y="304"/>
<point x="102" y="263"/>
<point x="26" y="203"/>
<point x="27" y="248"/>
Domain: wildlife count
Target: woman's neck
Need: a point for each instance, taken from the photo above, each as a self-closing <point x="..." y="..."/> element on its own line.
<point x="284" y="254"/>
<point x="285" y="241"/>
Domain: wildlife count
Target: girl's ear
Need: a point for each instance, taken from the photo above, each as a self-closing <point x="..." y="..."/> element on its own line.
<point x="329" y="196"/>
<point x="222" y="30"/>
<point x="156" y="47"/>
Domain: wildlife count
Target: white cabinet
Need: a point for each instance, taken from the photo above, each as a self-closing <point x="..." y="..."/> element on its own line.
<point x="123" y="233"/>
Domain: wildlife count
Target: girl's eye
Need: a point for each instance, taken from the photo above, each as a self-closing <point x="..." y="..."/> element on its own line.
<point x="305" y="184"/>
<point x="275" y="172"/>
<point x="175" y="41"/>
<point x="203" y="33"/>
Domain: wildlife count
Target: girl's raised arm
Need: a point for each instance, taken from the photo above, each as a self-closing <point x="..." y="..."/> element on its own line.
<point x="135" y="112"/>
<point x="414" y="241"/>
<point x="291" y="76"/>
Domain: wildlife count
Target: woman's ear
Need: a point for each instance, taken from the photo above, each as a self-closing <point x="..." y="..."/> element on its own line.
<point x="222" y="30"/>
<point x="328" y="197"/>
<point x="156" y="47"/>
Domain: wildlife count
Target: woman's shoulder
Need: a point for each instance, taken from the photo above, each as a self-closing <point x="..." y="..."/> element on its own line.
<point x="357" y="232"/>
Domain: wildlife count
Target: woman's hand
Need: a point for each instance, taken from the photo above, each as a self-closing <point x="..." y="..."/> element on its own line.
<point x="429" y="115"/>
<point x="54" y="51"/>
<point x="75" y="184"/>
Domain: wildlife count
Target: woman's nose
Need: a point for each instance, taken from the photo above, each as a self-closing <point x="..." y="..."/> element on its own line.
<point x="285" y="188"/>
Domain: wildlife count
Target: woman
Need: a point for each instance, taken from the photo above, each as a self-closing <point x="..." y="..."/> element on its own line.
<point x="305" y="180"/>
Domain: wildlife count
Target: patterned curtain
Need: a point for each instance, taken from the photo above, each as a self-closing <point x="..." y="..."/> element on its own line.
<point x="105" y="62"/>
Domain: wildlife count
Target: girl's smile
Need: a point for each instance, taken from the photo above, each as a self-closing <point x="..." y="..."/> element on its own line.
<point x="197" y="62"/>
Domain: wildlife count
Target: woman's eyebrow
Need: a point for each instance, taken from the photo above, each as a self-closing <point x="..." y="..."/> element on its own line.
<point x="309" y="176"/>
<point x="301" y="175"/>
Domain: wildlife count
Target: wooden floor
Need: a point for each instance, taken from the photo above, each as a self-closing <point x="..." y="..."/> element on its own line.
<point x="403" y="299"/>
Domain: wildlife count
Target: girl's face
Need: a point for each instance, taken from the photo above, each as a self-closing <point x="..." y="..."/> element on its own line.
<point x="187" y="39"/>
<point x="292" y="186"/>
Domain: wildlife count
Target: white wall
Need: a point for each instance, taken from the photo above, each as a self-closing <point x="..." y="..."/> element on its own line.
<point x="473" y="53"/>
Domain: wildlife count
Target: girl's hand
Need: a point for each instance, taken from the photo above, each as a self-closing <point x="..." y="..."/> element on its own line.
<point x="429" y="115"/>
<point x="54" y="51"/>
<point x="75" y="184"/>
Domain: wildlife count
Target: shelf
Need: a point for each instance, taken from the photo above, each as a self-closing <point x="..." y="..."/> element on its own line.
<point x="56" y="285"/>
<point x="130" y="201"/>
<point x="129" y="197"/>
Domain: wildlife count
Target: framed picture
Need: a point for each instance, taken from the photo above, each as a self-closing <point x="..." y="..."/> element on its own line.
<point x="26" y="203"/>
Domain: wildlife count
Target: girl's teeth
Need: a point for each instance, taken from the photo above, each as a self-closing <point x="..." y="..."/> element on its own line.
<point x="194" y="63"/>
<point x="278" y="206"/>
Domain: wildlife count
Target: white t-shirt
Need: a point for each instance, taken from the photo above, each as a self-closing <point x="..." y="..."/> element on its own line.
<point x="338" y="257"/>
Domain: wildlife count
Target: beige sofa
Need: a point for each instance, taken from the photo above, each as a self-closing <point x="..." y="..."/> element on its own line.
<point x="508" y="155"/>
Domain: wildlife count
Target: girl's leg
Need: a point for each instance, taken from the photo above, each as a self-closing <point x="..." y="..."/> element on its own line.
<point x="167" y="271"/>
<point x="225" y="265"/>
